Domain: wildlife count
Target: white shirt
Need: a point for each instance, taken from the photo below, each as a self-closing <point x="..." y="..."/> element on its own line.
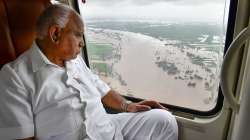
<point x="39" y="98"/>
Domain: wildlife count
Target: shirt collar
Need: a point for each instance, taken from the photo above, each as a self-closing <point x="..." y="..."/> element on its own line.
<point x="38" y="59"/>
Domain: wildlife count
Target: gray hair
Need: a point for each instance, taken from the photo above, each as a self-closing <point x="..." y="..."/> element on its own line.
<point x="57" y="14"/>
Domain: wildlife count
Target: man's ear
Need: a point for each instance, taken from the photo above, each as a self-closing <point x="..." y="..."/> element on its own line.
<point x="54" y="33"/>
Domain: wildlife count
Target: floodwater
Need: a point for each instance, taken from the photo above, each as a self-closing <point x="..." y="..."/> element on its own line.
<point x="144" y="79"/>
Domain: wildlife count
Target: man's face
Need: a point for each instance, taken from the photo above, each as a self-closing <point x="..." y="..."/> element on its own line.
<point x="71" y="40"/>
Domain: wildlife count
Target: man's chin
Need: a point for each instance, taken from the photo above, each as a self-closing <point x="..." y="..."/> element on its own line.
<point x="74" y="57"/>
<point x="71" y="58"/>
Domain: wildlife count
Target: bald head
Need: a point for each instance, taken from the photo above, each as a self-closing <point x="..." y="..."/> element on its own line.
<point x="56" y="15"/>
<point x="60" y="34"/>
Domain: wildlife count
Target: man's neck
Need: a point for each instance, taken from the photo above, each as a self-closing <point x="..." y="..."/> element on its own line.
<point x="48" y="51"/>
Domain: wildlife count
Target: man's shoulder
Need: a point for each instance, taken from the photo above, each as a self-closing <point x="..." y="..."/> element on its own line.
<point x="17" y="65"/>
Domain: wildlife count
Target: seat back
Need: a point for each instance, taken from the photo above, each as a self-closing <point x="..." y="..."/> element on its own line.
<point x="17" y="26"/>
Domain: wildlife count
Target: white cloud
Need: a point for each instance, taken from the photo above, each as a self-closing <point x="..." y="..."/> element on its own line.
<point x="148" y="2"/>
<point x="158" y="9"/>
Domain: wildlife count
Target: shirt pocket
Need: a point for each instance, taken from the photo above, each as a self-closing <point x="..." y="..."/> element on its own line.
<point x="56" y="121"/>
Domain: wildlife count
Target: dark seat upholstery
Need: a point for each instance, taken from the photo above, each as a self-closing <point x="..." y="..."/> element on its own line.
<point x="17" y="26"/>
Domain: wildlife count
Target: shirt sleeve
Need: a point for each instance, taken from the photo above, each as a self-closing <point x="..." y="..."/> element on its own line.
<point x="16" y="117"/>
<point x="102" y="87"/>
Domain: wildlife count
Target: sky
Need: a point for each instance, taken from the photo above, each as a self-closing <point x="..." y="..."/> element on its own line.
<point x="171" y="10"/>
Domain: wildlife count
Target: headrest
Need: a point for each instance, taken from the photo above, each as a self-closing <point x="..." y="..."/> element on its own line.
<point x="18" y="23"/>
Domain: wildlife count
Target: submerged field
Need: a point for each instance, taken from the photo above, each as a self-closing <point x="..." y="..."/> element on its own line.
<point x="171" y="63"/>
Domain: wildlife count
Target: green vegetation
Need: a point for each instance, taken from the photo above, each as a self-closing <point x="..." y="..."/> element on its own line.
<point x="168" y="67"/>
<point x="198" y="60"/>
<point x="201" y="61"/>
<point x="186" y="32"/>
<point x="99" y="51"/>
<point x="102" y="68"/>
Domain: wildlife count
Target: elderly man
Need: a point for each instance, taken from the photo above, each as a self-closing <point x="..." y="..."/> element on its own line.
<point x="48" y="93"/>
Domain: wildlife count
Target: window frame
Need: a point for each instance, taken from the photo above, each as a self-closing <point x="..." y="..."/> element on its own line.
<point x="176" y="109"/>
